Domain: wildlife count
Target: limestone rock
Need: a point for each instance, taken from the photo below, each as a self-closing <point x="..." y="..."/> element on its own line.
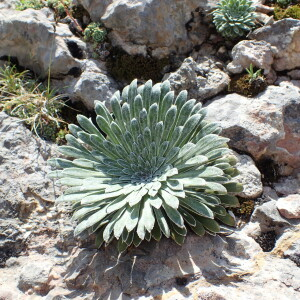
<point x="156" y="25"/>
<point x="23" y="169"/>
<point x="202" y="78"/>
<point x="292" y="252"/>
<point x="284" y="35"/>
<point x="249" y="176"/>
<point x="95" y="8"/>
<point x="8" y="4"/>
<point x="37" y="43"/>
<point x="269" y="218"/>
<point x="289" y="206"/>
<point x="93" y="84"/>
<point x="266" y="126"/>
<point x="257" y="53"/>
<point x="35" y="275"/>
<point x="287" y="186"/>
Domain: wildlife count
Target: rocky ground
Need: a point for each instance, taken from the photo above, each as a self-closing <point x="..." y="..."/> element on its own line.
<point x="260" y="259"/>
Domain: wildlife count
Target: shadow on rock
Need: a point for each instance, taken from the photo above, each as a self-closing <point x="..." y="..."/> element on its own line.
<point x="154" y="268"/>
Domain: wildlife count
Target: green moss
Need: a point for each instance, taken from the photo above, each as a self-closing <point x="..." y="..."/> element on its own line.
<point x="243" y="85"/>
<point x="125" y="67"/>
<point x="246" y="207"/>
<point x="25" y="4"/>
<point x="245" y="210"/>
<point x="292" y="11"/>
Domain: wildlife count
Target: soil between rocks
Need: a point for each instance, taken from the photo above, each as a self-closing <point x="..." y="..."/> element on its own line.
<point x="242" y="85"/>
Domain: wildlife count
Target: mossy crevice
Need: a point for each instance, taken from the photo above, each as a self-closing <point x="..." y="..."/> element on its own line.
<point x="125" y="67"/>
<point x="242" y="85"/>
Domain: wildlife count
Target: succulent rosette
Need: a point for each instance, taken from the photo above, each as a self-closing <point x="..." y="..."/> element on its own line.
<point x="152" y="167"/>
<point x="234" y="18"/>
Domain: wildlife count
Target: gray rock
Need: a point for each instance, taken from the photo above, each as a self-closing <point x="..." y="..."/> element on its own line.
<point x="202" y="79"/>
<point x="35" y="274"/>
<point x="249" y="176"/>
<point x="284" y="35"/>
<point x="8" y="4"/>
<point x="266" y="126"/>
<point x="146" y="268"/>
<point x="156" y="25"/>
<point x="37" y="43"/>
<point x="287" y="185"/>
<point x="292" y="252"/>
<point x="294" y="74"/>
<point x="95" y="8"/>
<point x="93" y="84"/>
<point x="289" y="206"/>
<point x="23" y="169"/>
<point x="257" y="53"/>
<point x="271" y="280"/>
<point x="269" y="218"/>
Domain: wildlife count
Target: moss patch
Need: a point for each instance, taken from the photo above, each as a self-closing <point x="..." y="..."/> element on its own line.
<point x="292" y="11"/>
<point x="125" y="67"/>
<point x="242" y="85"/>
<point x="245" y="210"/>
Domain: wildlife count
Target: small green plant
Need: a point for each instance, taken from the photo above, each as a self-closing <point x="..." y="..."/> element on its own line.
<point x="253" y="75"/>
<point x="234" y="18"/>
<point x="95" y="32"/>
<point x="25" y="4"/>
<point x="283" y="3"/>
<point x="157" y="167"/>
<point x="59" y="6"/>
<point x="246" y="208"/>
<point x="292" y="11"/>
<point x="12" y="82"/>
<point x="22" y="97"/>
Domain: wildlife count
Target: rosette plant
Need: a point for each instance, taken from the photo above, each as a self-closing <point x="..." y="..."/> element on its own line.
<point x="152" y="167"/>
<point x="234" y="18"/>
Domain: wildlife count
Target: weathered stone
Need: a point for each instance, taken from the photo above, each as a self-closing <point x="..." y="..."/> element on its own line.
<point x="37" y="43"/>
<point x="284" y="35"/>
<point x="292" y="252"/>
<point x="202" y="79"/>
<point x="263" y="8"/>
<point x="249" y="176"/>
<point x="265" y="19"/>
<point x="95" y="8"/>
<point x="23" y="169"/>
<point x="294" y="74"/>
<point x="289" y="206"/>
<point x="257" y="53"/>
<point x="156" y="25"/>
<point x="266" y="126"/>
<point x="35" y="274"/>
<point x="93" y="84"/>
<point x="269" y="218"/>
<point x="8" y="4"/>
<point x="287" y="186"/>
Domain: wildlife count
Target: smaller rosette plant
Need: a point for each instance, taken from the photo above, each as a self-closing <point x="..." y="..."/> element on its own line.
<point x="156" y="167"/>
<point x="234" y="18"/>
<point x="95" y="32"/>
